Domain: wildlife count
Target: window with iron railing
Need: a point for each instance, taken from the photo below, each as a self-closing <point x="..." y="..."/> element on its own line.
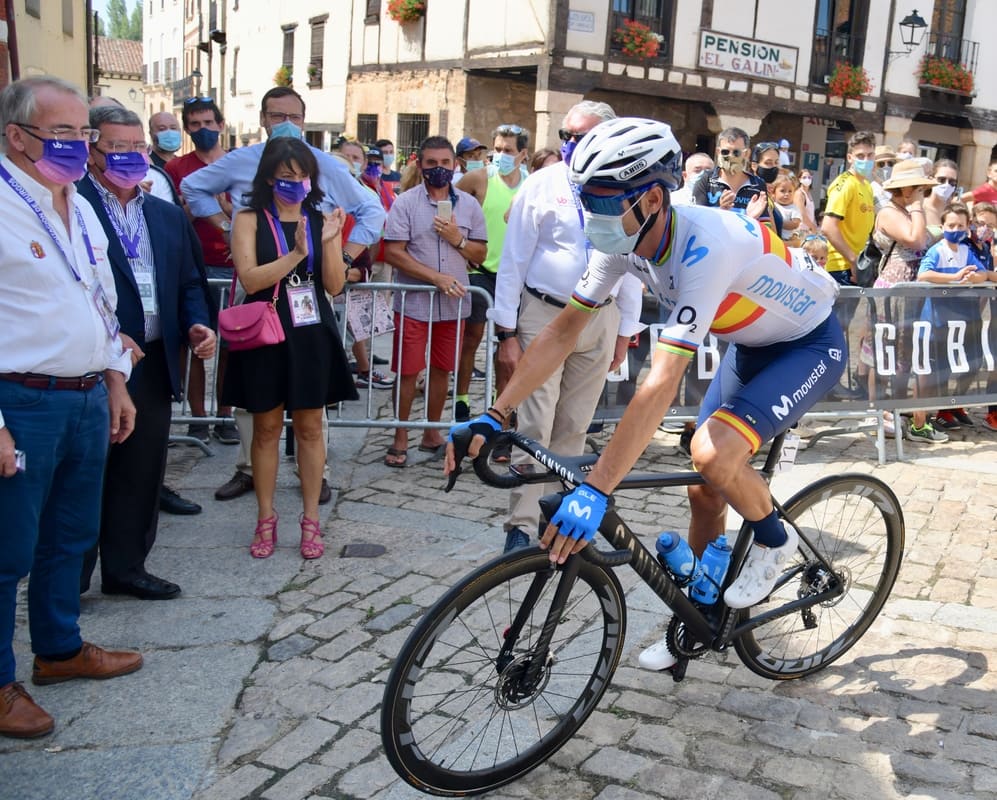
<point x="839" y="35"/>
<point x="367" y="128"/>
<point x="954" y="48"/>
<point x="655" y="14"/>
<point x="412" y="130"/>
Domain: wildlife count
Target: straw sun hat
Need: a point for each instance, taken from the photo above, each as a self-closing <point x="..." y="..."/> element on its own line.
<point x="912" y="172"/>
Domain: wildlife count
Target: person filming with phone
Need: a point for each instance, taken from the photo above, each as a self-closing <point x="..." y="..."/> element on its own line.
<point x="432" y="231"/>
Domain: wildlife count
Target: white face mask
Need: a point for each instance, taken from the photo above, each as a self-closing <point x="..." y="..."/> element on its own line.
<point x="806" y="181"/>
<point x="606" y="232"/>
<point x="904" y="156"/>
<point x="943" y="190"/>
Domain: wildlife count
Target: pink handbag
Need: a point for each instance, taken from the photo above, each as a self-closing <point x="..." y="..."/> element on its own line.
<point x="256" y="324"/>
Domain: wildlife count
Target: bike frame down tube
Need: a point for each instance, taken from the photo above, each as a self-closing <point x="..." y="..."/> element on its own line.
<point x="646" y="566"/>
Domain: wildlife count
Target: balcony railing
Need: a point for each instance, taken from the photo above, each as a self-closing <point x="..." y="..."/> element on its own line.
<point x="952" y="48"/>
<point x="653" y="21"/>
<point x="831" y="47"/>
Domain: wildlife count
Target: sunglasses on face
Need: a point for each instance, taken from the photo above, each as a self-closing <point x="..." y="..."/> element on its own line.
<point x="609" y="205"/>
<point x="736" y="152"/>
<point x="570" y="136"/>
<point x="885" y="163"/>
<point x="949" y="181"/>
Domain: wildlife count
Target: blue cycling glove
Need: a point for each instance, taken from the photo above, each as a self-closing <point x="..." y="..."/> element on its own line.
<point x="581" y="513"/>
<point x="486" y="425"/>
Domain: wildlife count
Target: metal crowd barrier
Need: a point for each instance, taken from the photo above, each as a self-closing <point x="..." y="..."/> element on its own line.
<point x="885" y="328"/>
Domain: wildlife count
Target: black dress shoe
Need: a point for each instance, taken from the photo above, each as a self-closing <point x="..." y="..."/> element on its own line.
<point x="238" y="485"/>
<point x="172" y="503"/>
<point x="325" y="493"/>
<point x="144" y="587"/>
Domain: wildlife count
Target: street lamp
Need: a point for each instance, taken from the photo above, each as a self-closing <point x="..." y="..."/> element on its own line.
<point x="196" y="75"/>
<point x="912" y="29"/>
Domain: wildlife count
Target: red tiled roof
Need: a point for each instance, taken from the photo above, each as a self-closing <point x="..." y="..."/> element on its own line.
<point x="119" y="56"/>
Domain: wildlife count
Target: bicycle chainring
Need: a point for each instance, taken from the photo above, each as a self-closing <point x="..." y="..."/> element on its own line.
<point x="679" y="642"/>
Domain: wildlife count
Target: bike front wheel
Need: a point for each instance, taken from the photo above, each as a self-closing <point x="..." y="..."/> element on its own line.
<point x="855" y="524"/>
<point x="472" y="703"/>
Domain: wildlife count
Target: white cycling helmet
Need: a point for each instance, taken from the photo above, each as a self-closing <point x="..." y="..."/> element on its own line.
<point x="628" y="152"/>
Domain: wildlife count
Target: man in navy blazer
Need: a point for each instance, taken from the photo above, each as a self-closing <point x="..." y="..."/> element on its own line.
<point x="162" y="306"/>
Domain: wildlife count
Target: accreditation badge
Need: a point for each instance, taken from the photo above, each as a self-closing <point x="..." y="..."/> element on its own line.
<point x="105" y="309"/>
<point x="304" y="305"/>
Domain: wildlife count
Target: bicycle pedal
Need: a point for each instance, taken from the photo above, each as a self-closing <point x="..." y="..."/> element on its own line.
<point x="678" y="670"/>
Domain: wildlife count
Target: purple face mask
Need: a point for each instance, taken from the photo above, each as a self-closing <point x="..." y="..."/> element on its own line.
<point x="291" y="192"/>
<point x="126" y="170"/>
<point x="567" y="148"/>
<point x="437" y="177"/>
<point x="63" y="161"/>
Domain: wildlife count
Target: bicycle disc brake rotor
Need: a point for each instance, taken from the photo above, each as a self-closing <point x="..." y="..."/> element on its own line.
<point x="816" y="580"/>
<point x="514" y="689"/>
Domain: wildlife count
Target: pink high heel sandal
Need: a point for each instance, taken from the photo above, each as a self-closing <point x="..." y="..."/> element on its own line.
<point x="263" y="548"/>
<point x="313" y="546"/>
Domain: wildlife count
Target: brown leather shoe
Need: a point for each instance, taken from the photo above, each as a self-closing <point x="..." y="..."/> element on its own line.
<point x="91" y="662"/>
<point x="238" y="485"/>
<point x="20" y="716"/>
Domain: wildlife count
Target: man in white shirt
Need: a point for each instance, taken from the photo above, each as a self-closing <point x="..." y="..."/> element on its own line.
<point x="544" y="255"/>
<point x="695" y="165"/>
<point x="62" y="365"/>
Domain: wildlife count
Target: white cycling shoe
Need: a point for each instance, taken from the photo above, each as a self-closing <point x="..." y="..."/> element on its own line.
<point x="657" y="657"/>
<point x="761" y="569"/>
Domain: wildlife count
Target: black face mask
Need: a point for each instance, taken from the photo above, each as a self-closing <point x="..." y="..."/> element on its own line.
<point x="437" y="177"/>
<point x="767" y="174"/>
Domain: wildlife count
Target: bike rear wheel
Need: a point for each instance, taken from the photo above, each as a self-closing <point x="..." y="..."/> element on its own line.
<point x="855" y="523"/>
<point x="456" y="718"/>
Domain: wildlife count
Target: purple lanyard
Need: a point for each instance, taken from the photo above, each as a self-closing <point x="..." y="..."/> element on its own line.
<point x="33" y="205"/>
<point x="575" y="189"/>
<point x="129" y="243"/>
<point x="281" y="240"/>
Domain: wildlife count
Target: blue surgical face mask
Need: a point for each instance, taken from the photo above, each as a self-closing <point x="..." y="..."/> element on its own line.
<point x="389" y="160"/>
<point x="168" y="141"/>
<point x="954" y="237"/>
<point x="567" y="148"/>
<point x="606" y="232"/>
<point x="471" y="165"/>
<point x="204" y="139"/>
<point x="863" y="166"/>
<point x="355" y="169"/>
<point x="291" y="192"/>
<point x="286" y="128"/>
<point x="504" y="162"/>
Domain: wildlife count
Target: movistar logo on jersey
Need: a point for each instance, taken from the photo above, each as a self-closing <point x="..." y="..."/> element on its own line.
<point x="795" y="298"/>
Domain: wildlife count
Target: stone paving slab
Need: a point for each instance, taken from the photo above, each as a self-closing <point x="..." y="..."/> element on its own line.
<point x="278" y="666"/>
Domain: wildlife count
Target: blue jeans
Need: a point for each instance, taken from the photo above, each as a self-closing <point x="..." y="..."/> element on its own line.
<point x="50" y="512"/>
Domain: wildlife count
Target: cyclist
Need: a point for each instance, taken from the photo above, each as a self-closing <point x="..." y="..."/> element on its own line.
<point x="713" y="271"/>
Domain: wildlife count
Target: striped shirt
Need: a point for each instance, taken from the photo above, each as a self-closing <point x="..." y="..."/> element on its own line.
<point x="128" y="221"/>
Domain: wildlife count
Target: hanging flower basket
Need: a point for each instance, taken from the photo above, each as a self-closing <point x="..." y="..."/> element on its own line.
<point x="283" y="76"/>
<point x="943" y="73"/>
<point x="406" y="10"/>
<point x="848" y="81"/>
<point x="638" y="40"/>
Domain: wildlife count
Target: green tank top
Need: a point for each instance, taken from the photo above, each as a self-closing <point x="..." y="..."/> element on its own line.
<point x="498" y="198"/>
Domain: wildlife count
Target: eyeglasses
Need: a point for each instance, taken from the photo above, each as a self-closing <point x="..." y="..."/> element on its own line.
<point x="570" y="136"/>
<point x="277" y="116"/>
<point x="191" y="100"/>
<point x="949" y="181"/>
<point x="508" y="130"/>
<point x="609" y="205"/>
<point x="125" y="147"/>
<point x="62" y="134"/>
<point x="735" y="152"/>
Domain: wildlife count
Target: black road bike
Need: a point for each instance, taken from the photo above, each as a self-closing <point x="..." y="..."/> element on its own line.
<point x="508" y="664"/>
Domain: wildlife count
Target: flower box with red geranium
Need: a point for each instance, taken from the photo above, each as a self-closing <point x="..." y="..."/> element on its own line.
<point x="944" y="73"/>
<point x="637" y="40"/>
<point x="848" y="81"/>
<point x="406" y="10"/>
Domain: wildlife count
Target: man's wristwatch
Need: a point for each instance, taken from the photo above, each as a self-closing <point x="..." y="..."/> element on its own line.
<point x="501" y="336"/>
<point x="463" y="243"/>
<point x="225" y="226"/>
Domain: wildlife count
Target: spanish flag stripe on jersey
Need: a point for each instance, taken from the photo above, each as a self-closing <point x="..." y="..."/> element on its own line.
<point x="742" y="427"/>
<point x="735" y="312"/>
<point x="774" y="245"/>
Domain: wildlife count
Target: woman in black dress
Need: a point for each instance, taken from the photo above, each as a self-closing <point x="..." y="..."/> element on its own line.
<point x="281" y="240"/>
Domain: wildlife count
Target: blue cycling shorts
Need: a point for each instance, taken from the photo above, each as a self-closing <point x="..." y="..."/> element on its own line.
<point x="763" y="391"/>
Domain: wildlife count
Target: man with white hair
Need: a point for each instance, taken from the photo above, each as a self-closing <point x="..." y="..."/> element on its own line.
<point x="695" y="165"/>
<point x="544" y="255"/>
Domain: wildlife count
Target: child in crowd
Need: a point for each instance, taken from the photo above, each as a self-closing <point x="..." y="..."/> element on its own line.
<point x="981" y="242"/>
<point x="781" y="191"/>
<point x="816" y="246"/>
<point x="951" y="261"/>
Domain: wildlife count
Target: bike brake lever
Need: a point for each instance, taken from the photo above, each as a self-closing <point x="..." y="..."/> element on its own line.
<point x="461" y="442"/>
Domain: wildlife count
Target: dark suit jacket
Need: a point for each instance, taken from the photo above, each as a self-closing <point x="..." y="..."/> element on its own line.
<point x="179" y="269"/>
